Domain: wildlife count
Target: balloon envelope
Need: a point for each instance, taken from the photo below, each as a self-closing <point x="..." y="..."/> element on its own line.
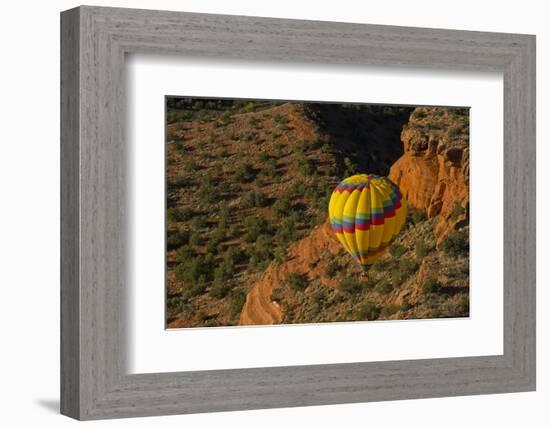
<point x="367" y="213"/>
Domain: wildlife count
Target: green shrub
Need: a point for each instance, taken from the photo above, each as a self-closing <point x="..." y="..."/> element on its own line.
<point x="383" y="287"/>
<point x="303" y="146"/>
<point x="210" y="105"/>
<point x="455" y="131"/>
<point x="194" y="289"/>
<point x="263" y="157"/>
<point x="176" y="182"/>
<point x="254" y="199"/>
<point x="416" y="215"/>
<point x="304" y="165"/>
<point x="219" y="290"/>
<point x="296" y="281"/>
<point x="286" y="232"/>
<point x="244" y="173"/>
<point x="396" y="250"/>
<point x="279" y="254"/>
<point x="270" y="168"/>
<point x="457" y="211"/>
<point x="435" y="313"/>
<point x="233" y="255"/>
<point x="456" y="243"/>
<point x="198" y="222"/>
<point x="282" y="206"/>
<point x="213" y="244"/>
<point x="351" y="286"/>
<point x="310" y="194"/>
<point x="420" y="249"/>
<point x="405" y="305"/>
<point x="419" y="114"/>
<point x="431" y="286"/>
<point x="332" y="268"/>
<point x="250" y="107"/>
<point x="176" y="238"/>
<point x="208" y="193"/>
<point x="225" y="270"/>
<point x="191" y="270"/>
<point x="191" y="166"/>
<point x="254" y="227"/>
<point x="223" y="218"/>
<point x="349" y="167"/>
<point x="385" y="265"/>
<point x="262" y="251"/>
<point x="297" y="188"/>
<point x="369" y="311"/>
<point x="184" y="253"/>
<point x="279" y="118"/>
<point x="403" y="271"/>
<point x="179" y="214"/>
<point x="177" y="116"/>
<point x="278" y="148"/>
<point x="407" y="266"/>
<point x="390" y="310"/>
<point x="326" y="148"/>
<point x="226" y="118"/>
<point x="463" y="305"/>
<point x="195" y="239"/>
<point x="236" y="303"/>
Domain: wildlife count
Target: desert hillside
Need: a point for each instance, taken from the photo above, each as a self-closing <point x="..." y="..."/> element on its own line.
<point x="248" y="240"/>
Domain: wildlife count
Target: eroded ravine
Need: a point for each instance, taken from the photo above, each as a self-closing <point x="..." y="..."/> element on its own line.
<point x="303" y="257"/>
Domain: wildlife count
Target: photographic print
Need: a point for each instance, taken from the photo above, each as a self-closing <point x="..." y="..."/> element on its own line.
<point x="289" y="212"/>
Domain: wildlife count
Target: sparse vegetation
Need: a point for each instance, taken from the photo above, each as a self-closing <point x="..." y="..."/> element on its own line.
<point x="369" y="311"/>
<point x="282" y="206"/>
<point x="244" y="173"/>
<point x="351" y="285"/>
<point x="247" y="181"/>
<point x="304" y="165"/>
<point x="390" y="310"/>
<point x="457" y="211"/>
<point x="236" y="304"/>
<point x="296" y="281"/>
<point x="416" y="215"/>
<point x="255" y="199"/>
<point x="179" y="214"/>
<point x="176" y="238"/>
<point x="383" y="287"/>
<point x="431" y="286"/>
<point x="332" y="268"/>
<point x="254" y="227"/>
<point x="456" y="243"/>
<point x="420" y="249"/>
<point x="219" y="290"/>
<point x="396" y="250"/>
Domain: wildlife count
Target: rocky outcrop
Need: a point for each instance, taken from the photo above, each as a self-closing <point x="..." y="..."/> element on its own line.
<point x="433" y="173"/>
<point x="303" y="257"/>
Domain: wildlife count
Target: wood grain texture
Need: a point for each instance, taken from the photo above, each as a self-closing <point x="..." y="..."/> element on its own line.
<point x="70" y="314"/>
<point x="94" y="382"/>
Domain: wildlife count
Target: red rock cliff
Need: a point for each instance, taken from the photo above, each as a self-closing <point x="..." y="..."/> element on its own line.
<point x="433" y="173"/>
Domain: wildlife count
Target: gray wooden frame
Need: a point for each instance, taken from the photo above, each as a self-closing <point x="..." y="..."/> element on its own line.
<point x="94" y="382"/>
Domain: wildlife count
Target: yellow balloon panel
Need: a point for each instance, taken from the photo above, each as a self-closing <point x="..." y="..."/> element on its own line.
<point x="367" y="213"/>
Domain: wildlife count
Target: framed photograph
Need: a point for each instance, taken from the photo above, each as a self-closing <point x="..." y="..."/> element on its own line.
<point x="275" y="194"/>
<point x="262" y="213"/>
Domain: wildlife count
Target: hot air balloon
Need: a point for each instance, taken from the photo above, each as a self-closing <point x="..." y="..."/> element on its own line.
<point x="366" y="213"/>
